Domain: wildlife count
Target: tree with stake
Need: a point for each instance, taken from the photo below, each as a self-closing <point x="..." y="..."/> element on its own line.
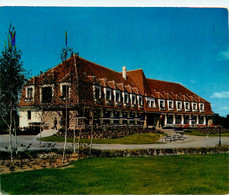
<point x="12" y="77"/>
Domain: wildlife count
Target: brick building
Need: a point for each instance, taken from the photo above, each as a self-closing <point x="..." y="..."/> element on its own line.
<point x="79" y="90"/>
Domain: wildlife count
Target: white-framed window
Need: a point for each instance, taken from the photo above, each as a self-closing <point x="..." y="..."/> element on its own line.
<point x="170" y="104"/>
<point x="30" y="90"/>
<point x="161" y="103"/>
<point x="194" y="106"/>
<point x="187" y="106"/>
<point x="179" y="105"/>
<point x="201" y="106"/>
<point x="108" y="93"/>
<point x="117" y="95"/>
<point x="97" y="91"/>
<point x="133" y="99"/>
<point x="65" y="90"/>
<point x="140" y="100"/>
<point x="47" y="93"/>
<point x="126" y="97"/>
<point x="150" y="102"/>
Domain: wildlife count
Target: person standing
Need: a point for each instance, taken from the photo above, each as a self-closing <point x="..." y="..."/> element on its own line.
<point x="55" y="123"/>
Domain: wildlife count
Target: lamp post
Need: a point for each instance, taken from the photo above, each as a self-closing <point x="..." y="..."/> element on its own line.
<point x="220" y="128"/>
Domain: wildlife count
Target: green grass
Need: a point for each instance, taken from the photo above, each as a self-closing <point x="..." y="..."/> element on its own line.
<point x="184" y="174"/>
<point x="143" y="138"/>
<point x="197" y="133"/>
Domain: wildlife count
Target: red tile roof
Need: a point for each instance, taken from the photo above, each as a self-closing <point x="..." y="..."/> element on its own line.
<point x="136" y="82"/>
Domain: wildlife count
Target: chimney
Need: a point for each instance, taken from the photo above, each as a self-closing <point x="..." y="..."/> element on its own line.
<point x="34" y="80"/>
<point x="124" y="72"/>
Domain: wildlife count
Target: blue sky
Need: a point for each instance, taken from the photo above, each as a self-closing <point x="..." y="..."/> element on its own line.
<point x="185" y="45"/>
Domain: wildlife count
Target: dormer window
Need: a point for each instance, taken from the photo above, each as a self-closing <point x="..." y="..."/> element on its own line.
<point x="179" y="105"/>
<point x="117" y="95"/>
<point x="133" y="99"/>
<point x="150" y="102"/>
<point x="65" y="90"/>
<point x="171" y="104"/>
<point x="194" y="106"/>
<point x="47" y="92"/>
<point x="201" y="105"/>
<point x="117" y="98"/>
<point x="126" y="98"/>
<point x="161" y="104"/>
<point x="140" y="100"/>
<point x="29" y="93"/>
<point x="187" y="106"/>
<point x="97" y="92"/>
<point x="107" y="93"/>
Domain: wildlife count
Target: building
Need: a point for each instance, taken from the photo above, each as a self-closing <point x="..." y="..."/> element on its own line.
<point x="79" y="90"/>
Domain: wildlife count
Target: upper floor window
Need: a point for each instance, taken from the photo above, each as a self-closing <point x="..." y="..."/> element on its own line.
<point x="140" y="100"/>
<point x="29" y="93"/>
<point x="117" y="96"/>
<point x="65" y="90"/>
<point x="194" y="106"/>
<point x="108" y="93"/>
<point x="179" y="105"/>
<point x="150" y="102"/>
<point x="201" y="105"/>
<point x="97" y="92"/>
<point x="161" y="103"/>
<point x="126" y="98"/>
<point x="133" y="99"/>
<point x="187" y="105"/>
<point x="170" y="104"/>
<point x="46" y="93"/>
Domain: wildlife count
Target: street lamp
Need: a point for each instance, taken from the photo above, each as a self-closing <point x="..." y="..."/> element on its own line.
<point x="220" y="128"/>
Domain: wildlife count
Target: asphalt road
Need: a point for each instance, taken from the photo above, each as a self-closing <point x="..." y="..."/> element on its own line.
<point x="192" y="141"/>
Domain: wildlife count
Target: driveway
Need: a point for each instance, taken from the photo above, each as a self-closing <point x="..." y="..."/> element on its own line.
<point x="192" y="141"/>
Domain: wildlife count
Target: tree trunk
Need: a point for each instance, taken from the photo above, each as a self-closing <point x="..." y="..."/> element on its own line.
<point x="74" y="141"/>
<point x="92" y="129"/>
<point x="10" y="132"/>
<point x="15" y="134"/>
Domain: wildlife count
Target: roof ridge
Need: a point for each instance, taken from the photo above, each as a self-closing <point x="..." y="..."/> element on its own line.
<point x="164" y="81"/>
<point x="99" y="65"/>
<point x="135" y="70"/>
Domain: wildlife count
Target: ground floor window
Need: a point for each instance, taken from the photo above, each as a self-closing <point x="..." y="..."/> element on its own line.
<point x="178" y="119"/>
<point x="201" y="120"/>
<point x="116" y="122"/>
<point x="131" y="121"/>
<point x="106" y="122"/>
<point x="194" y="120"/>
<point x="186" y="119"/>
<point x="124" y="121"/>
<point x="29" y="115"/>
<point x="170" y="119"/>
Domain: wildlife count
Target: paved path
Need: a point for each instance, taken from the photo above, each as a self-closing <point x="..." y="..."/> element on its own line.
<point x="192" y="141"/>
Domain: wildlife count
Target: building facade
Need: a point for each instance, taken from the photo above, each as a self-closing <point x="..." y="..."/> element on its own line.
<point x="81" y="92"/>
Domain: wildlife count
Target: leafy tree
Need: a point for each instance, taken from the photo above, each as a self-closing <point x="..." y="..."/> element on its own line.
<point x="12" y="77"/>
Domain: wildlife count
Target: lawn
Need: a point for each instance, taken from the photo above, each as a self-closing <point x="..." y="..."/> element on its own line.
<point x="180" y="174"/>
<point x="143" y="138"/>
<point x="197" y="133"/>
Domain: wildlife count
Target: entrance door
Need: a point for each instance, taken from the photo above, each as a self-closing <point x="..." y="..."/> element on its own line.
<point x="150" y="119"/>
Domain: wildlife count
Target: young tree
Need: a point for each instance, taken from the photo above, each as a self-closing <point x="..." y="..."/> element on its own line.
<point x="12" y="77"/>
